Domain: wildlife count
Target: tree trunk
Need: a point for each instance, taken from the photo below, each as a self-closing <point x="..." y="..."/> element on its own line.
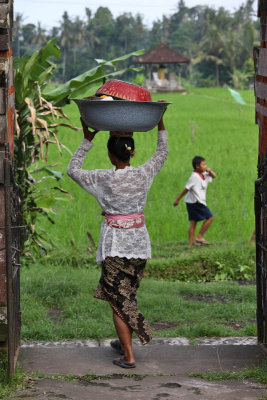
<point x="179" y="77"/>
<point x="18" y="44"/>
<point x="75" y="54"/>
<point x="64" y="65"/>
<point x="186" y="72"/>
<point x="217" y="75"/>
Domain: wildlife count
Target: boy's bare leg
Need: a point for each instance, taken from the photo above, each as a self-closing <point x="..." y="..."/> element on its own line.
<point x="125" y="337"/>
<point x="205" y="226"/>
<point x="191" y="232"/>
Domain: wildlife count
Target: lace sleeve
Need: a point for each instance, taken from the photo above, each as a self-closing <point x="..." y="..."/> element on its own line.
<point x="86" y="179"/>
<point x="155" y="163"/>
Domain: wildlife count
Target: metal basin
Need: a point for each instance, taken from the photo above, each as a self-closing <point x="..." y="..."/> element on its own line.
<point x="121" y="115"/>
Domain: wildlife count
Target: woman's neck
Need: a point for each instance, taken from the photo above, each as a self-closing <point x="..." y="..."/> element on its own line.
<point x="122" y="165"/>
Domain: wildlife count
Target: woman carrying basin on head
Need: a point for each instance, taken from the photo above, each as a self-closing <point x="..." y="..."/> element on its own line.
<point x="124" y="244"/>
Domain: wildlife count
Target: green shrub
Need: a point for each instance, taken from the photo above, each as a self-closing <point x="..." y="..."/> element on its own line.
<point x="236" y="262"/>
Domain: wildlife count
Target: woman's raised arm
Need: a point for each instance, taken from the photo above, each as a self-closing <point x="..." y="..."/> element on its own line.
<point x="155" y="163"/>
<point x="86" y="179"/>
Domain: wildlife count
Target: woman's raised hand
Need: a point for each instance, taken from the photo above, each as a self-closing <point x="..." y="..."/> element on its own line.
<point x="89" y="135"/>
<point x="161" y="126"/>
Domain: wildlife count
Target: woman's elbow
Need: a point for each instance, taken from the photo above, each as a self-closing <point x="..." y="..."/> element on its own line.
<point x="70" y="172"/>
<point x="165" y="153"/>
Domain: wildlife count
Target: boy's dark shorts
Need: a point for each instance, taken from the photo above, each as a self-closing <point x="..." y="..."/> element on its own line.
<point x="198" y="212"/>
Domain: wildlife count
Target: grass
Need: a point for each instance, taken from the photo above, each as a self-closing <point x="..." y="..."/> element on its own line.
<point x="257" y="373"/>
<point x="8" y="385"/>
<point x="175" y="261"/>
<point x="225" y="261"/>
<point x="58" y="303"/>
<point x="205" y="122"/>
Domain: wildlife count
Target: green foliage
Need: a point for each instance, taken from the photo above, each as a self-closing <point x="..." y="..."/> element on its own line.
<point x="7" y="385"/>
<point x="241" y="78"/>
<point x="175" y="261"/>
<point x="140" y="79"/>
<point x="216" y="40"/>
<point x="37" y="68"/>
<point x="236" y="272"/>
<point x="35" y="130"/>
<point x="72" y="255"/>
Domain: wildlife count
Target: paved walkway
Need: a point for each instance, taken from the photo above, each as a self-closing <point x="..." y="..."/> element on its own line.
<point x="162" y="372"/>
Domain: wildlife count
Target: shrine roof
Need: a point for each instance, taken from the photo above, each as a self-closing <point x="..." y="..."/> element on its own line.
<point x="162" y="54"/>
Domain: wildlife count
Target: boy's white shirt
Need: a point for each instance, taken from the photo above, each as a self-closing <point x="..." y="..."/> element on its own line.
<point x="197" y="188"/>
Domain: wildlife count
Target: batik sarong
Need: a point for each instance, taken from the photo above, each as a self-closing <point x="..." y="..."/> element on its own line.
<point x="118" y="285"/>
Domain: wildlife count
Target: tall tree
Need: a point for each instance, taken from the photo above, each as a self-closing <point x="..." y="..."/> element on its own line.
<point x="131" y="31"/>
<point x="66" y="40"/>
<point x="219" y="42"/>
<point x="91" y="38"/>
<point x="40" y="38"/>
<point x="18" y="31"/>
<point x="78" y="37"/>
<point x="28" y="34"/>
<point x="103" y="27"/>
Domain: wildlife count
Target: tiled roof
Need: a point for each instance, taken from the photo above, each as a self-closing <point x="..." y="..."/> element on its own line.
<point x="162" y="54"/>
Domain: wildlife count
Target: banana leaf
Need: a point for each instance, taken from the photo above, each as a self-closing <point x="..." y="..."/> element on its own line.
<point x="121" y="58"/>
<point x="39" y="67"/>
<point x="88" y="80"/>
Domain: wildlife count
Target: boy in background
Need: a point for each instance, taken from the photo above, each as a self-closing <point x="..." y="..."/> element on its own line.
<point x="195" y="191"/>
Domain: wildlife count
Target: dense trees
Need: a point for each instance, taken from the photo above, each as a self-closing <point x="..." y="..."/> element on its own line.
<point x="219" y="43"/>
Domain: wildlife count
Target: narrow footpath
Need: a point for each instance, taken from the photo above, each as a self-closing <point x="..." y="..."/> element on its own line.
<point x="82" y="370"/>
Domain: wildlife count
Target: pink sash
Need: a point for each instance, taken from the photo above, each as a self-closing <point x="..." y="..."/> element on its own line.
<point x="125" y="221"/>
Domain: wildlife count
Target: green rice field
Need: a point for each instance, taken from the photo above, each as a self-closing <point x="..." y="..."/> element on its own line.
<point x="204" y="122"/>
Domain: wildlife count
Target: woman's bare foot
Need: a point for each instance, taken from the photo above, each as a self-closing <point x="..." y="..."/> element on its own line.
<point x="128" y="360"/>
<point x="121" y="362"/>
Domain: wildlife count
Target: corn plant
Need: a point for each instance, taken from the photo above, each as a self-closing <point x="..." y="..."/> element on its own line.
<point x="39" y="114"/>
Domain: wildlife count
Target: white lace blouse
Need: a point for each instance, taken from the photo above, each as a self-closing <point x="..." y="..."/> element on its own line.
<point x="122" y="191"/>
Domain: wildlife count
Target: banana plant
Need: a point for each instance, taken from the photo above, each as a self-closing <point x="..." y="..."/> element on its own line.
<point x="39" y="113"/>
<point x="89" y="80"/>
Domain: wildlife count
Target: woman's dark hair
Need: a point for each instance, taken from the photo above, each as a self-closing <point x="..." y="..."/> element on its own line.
<point x="121" y="147"/>
<point x="197" y="160"/>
